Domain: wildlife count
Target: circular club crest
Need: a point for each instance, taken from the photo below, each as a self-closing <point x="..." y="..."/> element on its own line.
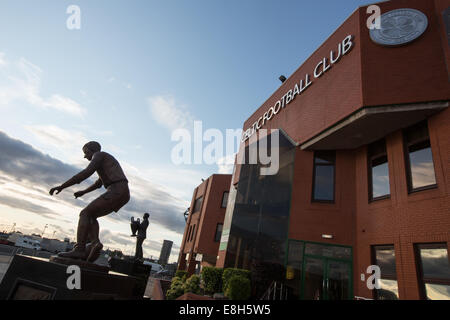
<point x="399" y="27"/>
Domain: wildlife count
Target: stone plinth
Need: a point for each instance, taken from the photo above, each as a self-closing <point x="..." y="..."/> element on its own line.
<point x="32" y="278"/>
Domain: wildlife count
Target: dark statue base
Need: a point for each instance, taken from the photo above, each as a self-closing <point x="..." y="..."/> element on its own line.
<point x="32" y="278"/>
<point x="82" y="264"/>
<point x="133" y="268"/>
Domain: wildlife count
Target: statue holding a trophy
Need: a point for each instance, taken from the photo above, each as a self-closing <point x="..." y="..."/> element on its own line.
<point x="139" y="230"/>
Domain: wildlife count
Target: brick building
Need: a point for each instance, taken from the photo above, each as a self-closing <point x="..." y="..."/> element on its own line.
<point x="204" y="224"/>
<point x="364" y="174"/>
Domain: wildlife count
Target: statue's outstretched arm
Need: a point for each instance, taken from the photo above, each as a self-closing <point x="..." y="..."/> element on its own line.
<point x="97" y="184"/>
<point x="83" y="175"/>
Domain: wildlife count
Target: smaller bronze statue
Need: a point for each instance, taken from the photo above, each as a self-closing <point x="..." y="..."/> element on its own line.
<point x="141" y="229"/>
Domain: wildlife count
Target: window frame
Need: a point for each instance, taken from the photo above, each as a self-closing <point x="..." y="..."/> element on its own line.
<point x="192" y="233"/>
<point x="314" y="177"/>
<point x="407" y="158"/>
<point x="215" y="234"/>
<point x="223" y="196"/>
<point x="370" y="159"/>
<point x="200" y="206"/>
<point x="189" y="234"/>
<point x="419" y="267"/>
<point x="374" y="262"/>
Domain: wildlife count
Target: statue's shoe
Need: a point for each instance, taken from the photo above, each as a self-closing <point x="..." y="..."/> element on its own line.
<point x="76" y="253"/>
<point x="96" y="249"/>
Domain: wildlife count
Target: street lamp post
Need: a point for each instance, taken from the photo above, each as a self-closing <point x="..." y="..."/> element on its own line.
<point x="46" y="226"/>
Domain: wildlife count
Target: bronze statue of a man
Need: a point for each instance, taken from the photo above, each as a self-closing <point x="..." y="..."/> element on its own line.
<point x="117" y="194"/>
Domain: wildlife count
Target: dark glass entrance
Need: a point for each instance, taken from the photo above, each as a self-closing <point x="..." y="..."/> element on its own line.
<point x="324" y="272"/>
<point x="259" y="227"/>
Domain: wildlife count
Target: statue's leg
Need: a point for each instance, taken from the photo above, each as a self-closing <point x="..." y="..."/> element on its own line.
<point x="79" y="251"/>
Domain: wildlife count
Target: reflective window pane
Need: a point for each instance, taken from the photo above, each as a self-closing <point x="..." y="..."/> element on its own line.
<point x="380" y="180"/>
<point x="385" y="259"/>
<point x="422" y="168"/>
<point x="218" y="232"/>
<point x="388" y="290"/>
<point x="225" y="199"/>
<point x="435" y="262"/>
<point x="197" y="204"/>
<point x="437" y="291"/>
<point x="328" y="251"/>
<point x="324" y="183"/>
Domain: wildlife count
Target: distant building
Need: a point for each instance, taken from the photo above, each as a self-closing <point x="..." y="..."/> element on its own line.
<point x="14" y="236"/>
<point x="55" y="245"/>
<point x="203" y="230"/>
<point x="165" y="252"/>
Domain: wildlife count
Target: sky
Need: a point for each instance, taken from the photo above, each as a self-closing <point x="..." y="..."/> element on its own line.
<point x="134" y="72"/>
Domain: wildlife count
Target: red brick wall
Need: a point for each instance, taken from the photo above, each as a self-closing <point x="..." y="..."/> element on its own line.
<point x="309" y="220"/>
<point x="329" y="98"/>
<point x="404" y="219"/>
<point x="412" y="73"/>
<point x="213" y="215"/>
<point x="368" y="75"/>
<point x="205" y="220"/>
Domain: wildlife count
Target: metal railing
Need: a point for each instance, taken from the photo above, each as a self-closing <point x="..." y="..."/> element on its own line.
<point x="276" y="291"/>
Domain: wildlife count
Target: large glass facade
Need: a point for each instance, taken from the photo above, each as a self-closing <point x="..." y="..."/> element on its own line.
<point x="257" y="238"/>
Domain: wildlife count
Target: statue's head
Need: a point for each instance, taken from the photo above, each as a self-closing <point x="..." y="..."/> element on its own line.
<point x="146" y="215"/>
<point x="90" y="148"/>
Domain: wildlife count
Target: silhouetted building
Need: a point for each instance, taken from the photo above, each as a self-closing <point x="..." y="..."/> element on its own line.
<point x="204" y="225"/>
<point x="165" y="252"/>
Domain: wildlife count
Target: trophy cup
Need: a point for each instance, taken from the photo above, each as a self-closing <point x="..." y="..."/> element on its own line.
<point x="134" y="226"/>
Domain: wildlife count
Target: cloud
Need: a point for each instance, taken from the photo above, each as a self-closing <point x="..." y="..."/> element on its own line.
<point x="22" y="82"/>
<point x="226" y="164"/>
<point x="168" y="113"/>
<point x="58" y="137"/>
<point x="3" y="62"/>
<point x="27" y="205"/>
<point x="33" y="170"/>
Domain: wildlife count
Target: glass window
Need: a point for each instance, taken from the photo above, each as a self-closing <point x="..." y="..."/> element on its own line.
<point x="198" y="204"/>
<point x="329" y="251"/>
<point x="384" y="257"/>
<point x="324" y="174"/>
<point x="188" y="238"/>
<point x="419" y="158"/>
<point x="218" y="232"/>
<point x="192" y="233"/>
<point x="225" y="199"/>
<point x="378" y="171"/>
<point x="434" y="271"/>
